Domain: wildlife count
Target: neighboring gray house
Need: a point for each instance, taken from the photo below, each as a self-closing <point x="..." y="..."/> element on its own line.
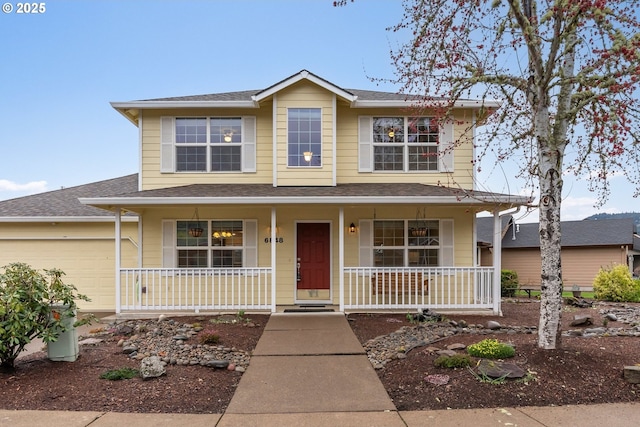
<point x="587" y="246"/>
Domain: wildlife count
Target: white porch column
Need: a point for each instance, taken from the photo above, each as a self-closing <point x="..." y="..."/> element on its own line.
<point x="273" y="259"/>
<point x="341" y="256"/>
<point x="497" y="262"/>
<point x="118" y="245"/>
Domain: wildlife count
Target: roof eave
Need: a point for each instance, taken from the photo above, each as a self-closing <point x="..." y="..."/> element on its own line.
<point x="131" y="110"/>
<point x="106" y="202"/>
<point x="359" y="103"/>
<point x="56" y="219"/>
<point x="303" y="75"/>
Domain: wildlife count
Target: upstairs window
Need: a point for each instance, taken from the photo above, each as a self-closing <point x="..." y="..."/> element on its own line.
<point x="304" y="137"/>
<point x="405" y="144"/>
<point x="208" y="144"/>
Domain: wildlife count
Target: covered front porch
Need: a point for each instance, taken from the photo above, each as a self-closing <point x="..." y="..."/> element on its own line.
<point x="408" y="250"/>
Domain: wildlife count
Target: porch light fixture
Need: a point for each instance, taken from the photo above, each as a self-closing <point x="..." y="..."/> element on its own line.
<point x="352" y="228"/>
<point x="307" y="156"/>
<point x="195" y="231"/>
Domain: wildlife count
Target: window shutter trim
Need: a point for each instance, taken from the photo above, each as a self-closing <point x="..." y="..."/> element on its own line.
<point x="365" y="144"/>
<point x="249" y="144"/>
<point x="251" y="243"/>
<point x="446" y="147"/>
<point x="446" y="243"/>
<point x="169" y="244"/>
<point x="167" y="144"/>
<point x="366" y="242"/>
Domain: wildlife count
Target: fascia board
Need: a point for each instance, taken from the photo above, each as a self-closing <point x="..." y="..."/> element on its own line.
<point x="304" y="76"/>
<point x="183" y="104"/>
<point x="33" y="219"/>
<point x="297" y="200"/>
<point x="491" y="104"/>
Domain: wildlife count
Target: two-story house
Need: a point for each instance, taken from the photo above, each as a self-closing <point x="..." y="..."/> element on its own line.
<point x="301" y="194"/>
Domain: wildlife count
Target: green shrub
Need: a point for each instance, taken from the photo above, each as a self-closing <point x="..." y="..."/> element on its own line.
<point x="491" y="349"/>
<point x="508" y="283"/>
<point x="120" y="374"/>
<point x="26" y="298"/>
<point x="209" y="336"/>
<point x="455" y="361"/>
<point x="616" y="284"/>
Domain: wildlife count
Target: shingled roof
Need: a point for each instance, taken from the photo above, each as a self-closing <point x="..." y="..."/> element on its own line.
<point x="601" y="232"/>
<point x="64" y="203"/>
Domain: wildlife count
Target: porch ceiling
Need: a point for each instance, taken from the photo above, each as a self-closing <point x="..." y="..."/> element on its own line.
<point x="267" y="194"/>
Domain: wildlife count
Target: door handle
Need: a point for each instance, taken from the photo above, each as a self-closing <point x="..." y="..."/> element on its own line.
<point x="298" y="276"/>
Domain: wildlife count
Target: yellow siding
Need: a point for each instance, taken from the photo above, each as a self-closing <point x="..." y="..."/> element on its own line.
<point x="151" y="176"/>
<point x="286" y="225"/>
<point x="347" y="152"/>
<point x="305" y="95"/>
<point x="84" y="251"/>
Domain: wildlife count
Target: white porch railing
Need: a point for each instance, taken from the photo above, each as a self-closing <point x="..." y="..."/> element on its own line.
<point x="367" y="288"/>
<point x="201" y="289"/>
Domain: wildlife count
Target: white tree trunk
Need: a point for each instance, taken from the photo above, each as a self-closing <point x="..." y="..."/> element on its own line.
<point x="550" y="179"/>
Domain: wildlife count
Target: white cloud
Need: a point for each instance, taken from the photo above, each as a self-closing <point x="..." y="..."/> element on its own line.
<point x="22" y="189"/>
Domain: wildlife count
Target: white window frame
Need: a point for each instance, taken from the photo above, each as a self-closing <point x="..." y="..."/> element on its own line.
<point x="211" y="240"/>
<point x="169" y="146"/>
<point x="319" y="155"/>
<point x="366" y="146"/>
<point x="406" y="247"/>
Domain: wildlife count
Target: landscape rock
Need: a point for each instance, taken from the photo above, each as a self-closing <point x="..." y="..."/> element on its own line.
<point x="152" y="367"/>
<point x="456" y="346"/>
<point x="493" y="325"/>
<point x="498" y="369"/>
<point x="632" y="374"/>
<point x="582" y="320"/>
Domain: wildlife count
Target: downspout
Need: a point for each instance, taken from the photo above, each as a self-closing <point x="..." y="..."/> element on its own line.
<point x="118" y="247"/>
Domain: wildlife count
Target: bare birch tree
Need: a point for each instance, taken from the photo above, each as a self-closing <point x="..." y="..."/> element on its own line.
<point x="567" y="72"/>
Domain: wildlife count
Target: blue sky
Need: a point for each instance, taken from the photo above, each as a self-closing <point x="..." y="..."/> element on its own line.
<point x="60" y="69"/>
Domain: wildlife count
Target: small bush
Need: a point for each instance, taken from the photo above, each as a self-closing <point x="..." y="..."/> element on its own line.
<point x="120" y="374"/>
<point x="508" y="283"/>
<point x="491" y="349"/>
<point x="455" y="361"/>
<point x="209" y="336"/>
<point x="616" y="284"/>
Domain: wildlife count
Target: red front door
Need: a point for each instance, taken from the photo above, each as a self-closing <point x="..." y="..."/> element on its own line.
<point x="313" y="256"/>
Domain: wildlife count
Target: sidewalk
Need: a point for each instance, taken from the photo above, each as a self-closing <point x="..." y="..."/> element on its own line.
<point x="310" y="370"/>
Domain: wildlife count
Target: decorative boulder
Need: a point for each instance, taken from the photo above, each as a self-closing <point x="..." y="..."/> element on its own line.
<point x="632" y="374"/>
<point x="497" y="369"/>
<point x="582" y="320"/>
<point x="152" y="367"/>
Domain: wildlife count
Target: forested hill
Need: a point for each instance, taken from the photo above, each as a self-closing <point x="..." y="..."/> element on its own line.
<point x="634" y="215"/>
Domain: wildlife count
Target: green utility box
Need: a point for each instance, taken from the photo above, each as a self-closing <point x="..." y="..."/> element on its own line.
<point x="65" y="348"/>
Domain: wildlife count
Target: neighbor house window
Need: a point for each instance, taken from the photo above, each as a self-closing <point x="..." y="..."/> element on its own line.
<point x="304" y="137"/>
<point x="208" y="144"/>
<point x="405" y="144"/>
<point x="220" y="244"/>
<point x="406" y="243"/>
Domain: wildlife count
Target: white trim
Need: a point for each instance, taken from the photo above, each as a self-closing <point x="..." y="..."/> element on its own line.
<point x="118" y="261"/>
<point x="274" y="154"/>
<point x="302" y="200"/>
<point x="53" y="219"/>
<point x="334" y="142"/>
<point x="397" y="103"/>
<point x="341" y="244"/>
<point x="274" y="260"/>
<point x="182" y="104"/>
<point x="295" y="260"/>
<point x="140" y="124"/>
<point x="303" y="75"/>
<point x="67" y="238"/>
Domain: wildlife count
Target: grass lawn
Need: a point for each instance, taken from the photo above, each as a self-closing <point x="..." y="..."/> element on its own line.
<point x="566" y="294"/>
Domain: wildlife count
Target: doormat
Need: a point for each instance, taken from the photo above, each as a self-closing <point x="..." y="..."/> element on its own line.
<point x="309" y="309"/>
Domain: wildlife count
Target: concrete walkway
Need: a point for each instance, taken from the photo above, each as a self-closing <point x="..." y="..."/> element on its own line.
<point x="310" y="370"/>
